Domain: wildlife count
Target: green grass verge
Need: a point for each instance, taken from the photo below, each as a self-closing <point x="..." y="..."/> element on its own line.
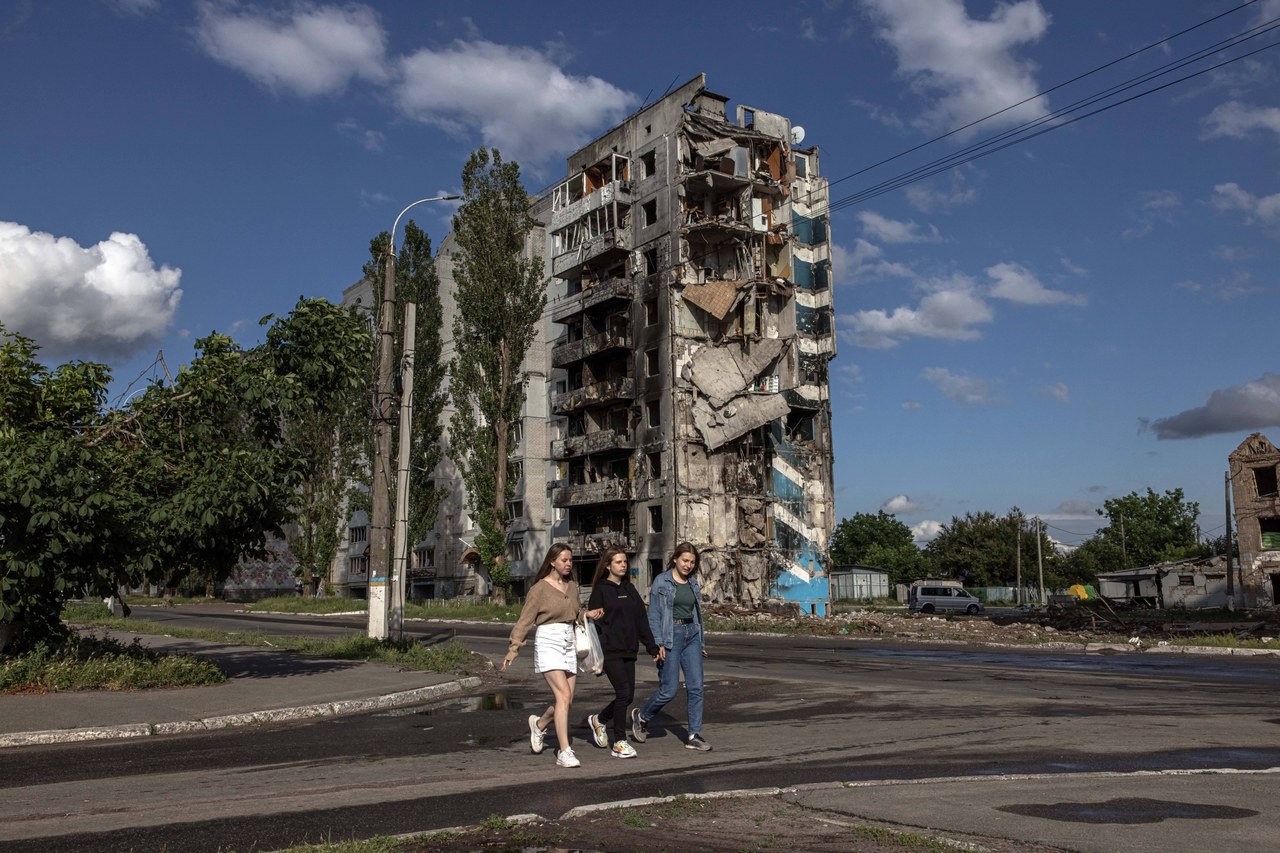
<point x="450" y="656"/>
<point x="97" y="663"/>
<point x="435" y="609"/>
<point x="1222" y="641"/>
<point x="161" y="601"/>
<point x="306" y="604"/>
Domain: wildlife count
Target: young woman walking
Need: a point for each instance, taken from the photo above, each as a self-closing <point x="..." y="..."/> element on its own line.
<point x="675" y="617"/>
<point x="623" y="624"/>
<point x="552" y="606"/>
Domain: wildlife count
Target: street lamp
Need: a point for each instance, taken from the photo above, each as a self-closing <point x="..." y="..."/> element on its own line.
<point x="386" y="605"/>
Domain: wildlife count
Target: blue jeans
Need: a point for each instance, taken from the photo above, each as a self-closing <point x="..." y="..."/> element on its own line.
<point x="685" y="654"/>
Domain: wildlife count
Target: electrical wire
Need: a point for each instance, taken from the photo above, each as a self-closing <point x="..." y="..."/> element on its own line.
<point x="1018" y="134"/>
<point x="1041" y="94"/>
<point x="1022" y="133"/>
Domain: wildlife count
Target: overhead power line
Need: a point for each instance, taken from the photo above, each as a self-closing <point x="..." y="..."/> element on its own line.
<point x="1023" y="132"/>
<point x="1054" y="88"/>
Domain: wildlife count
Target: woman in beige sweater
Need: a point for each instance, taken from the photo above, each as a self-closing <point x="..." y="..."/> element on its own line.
<point x="551" y="606"/>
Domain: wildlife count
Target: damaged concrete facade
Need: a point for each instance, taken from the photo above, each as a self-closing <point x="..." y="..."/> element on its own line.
<point x="1255" y="491"/>
<point x="691" y="276"/>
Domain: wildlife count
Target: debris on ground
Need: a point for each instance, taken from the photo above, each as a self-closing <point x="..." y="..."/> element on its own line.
<point x="1083" y="622"/>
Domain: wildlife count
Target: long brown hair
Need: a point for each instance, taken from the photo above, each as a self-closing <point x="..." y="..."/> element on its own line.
<point x="602" y="568"/>
<point x="684" y="548"/>
<point x="556" y="549"/>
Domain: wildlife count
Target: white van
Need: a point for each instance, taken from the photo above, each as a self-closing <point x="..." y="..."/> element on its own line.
<point x="936" y="596"/>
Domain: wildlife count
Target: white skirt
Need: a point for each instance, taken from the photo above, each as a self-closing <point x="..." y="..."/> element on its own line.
<point x="553" y="648"/>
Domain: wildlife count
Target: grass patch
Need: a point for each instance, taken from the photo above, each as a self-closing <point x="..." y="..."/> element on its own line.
<point x="162" y="601"/>
<point x="450" y="656"/>
<point x="905" y="840"/>
<point x="379" y="844"/>
<point x="431" y="609"/>
<point x="97" y="663"/>
<point x="306" y="604"/>
<point x="1223" y="641"/>
<point x="446" y="609"/>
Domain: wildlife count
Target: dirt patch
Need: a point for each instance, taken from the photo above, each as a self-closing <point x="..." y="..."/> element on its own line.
<point x="688" y="824"/>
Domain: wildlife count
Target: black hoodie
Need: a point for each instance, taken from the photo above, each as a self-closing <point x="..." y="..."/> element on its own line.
<point x="625" y="623"/>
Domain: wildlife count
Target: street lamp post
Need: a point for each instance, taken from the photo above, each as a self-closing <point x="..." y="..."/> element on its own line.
<point x="387" y="587"/>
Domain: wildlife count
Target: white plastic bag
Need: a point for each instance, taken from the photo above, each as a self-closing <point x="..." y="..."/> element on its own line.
<point x="587" y="643"/>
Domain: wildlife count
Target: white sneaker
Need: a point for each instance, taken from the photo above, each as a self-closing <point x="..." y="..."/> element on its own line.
<point x="622" y="749"/>
<point x="566" y="758"/>
<point x="535" y="735"/>
<point x="598" y="734"/>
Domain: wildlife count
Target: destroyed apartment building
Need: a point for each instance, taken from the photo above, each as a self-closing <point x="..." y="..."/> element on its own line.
<point x="677" y="386"/>
<point x="691" y="275"/>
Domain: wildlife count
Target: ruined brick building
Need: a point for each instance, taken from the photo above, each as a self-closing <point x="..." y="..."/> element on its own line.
<point x="1255" y="492"/>
<point x="678" y="382"/>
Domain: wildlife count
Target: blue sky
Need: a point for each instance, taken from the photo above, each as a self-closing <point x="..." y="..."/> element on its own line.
<point x="1078" y="316"/>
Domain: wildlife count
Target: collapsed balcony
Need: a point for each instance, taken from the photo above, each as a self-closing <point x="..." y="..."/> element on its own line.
<point x="571" y="351"/>
<point x="590" y="296"/>
<point x="587" y="494"/>
<point x="605" y="391"/>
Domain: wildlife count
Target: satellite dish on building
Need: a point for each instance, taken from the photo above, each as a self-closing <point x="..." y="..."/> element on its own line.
<point x="797" y="135"/>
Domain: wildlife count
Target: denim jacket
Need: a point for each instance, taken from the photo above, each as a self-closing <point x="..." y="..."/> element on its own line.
<point x="662" y="601"/>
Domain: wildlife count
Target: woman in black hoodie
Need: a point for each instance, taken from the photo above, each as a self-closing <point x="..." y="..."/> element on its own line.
<point x="623" y="626"/>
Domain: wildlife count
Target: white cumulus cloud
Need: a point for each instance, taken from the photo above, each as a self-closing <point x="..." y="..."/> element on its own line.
<point x="1058" y="391"/>
<point x="308" y="50"/>
<point x="899" y="504"/>
<point x="106" y="300"/>
<point x="960" y="387"/>
<point x="1240" y="408"/>
<point x="1016" y="283"/>
<point x="925" y="532"/>
<point x="1239" y="120"/>
<point x="947" y="314"/>
<point x="965" y="67"/>
<point x="886" y="230"/>
<point x="1231" y="196"/>
<point x="519" y="100"/>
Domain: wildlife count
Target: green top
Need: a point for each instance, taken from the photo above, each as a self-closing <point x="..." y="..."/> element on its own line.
<point x="683" y="606"/>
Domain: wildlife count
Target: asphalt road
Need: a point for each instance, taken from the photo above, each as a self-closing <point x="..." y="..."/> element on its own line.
<point x="780" y="712"/>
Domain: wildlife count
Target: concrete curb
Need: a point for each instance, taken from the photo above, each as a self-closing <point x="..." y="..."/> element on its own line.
<point x="227" y="721"/>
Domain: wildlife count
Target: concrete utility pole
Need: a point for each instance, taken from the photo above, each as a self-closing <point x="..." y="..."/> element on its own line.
<point x="386" y="606"/>
<point x="1017" y="559"/>
<point x="1040" y="563"/>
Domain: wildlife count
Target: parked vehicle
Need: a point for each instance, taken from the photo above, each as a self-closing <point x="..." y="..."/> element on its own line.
<point x="935" y="596"/>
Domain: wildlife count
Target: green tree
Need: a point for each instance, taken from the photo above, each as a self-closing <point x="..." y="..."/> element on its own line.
<point x="1090" y="558"/>
<point x="319" y="355"/>
<point x="232" y="478"/>
<point x="880" y="541"/>
<point x="982" y="550"/>
<point x="500" y="297"/>
<point x="63" y="525"/>
<point x="1150" y="528"/>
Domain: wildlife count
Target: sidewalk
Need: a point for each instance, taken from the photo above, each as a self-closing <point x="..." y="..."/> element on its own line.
<point x="264" y="686"/>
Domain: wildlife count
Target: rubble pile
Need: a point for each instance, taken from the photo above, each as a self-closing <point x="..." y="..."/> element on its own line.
<point x="885" y="625"/>
<point x="1034" y="626"/>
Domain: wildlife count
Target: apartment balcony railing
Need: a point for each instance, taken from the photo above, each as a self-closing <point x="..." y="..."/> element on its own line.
<point x="591" y="296"/>
<point x="568" y="353"/>
<point x="596" y="442"/>
<point x="562" y="215"/>
<point x="605" y="391"/>
<point x="616" y="240"/>
<point x="592" y="493"/>
<point x="594" y="543"/>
